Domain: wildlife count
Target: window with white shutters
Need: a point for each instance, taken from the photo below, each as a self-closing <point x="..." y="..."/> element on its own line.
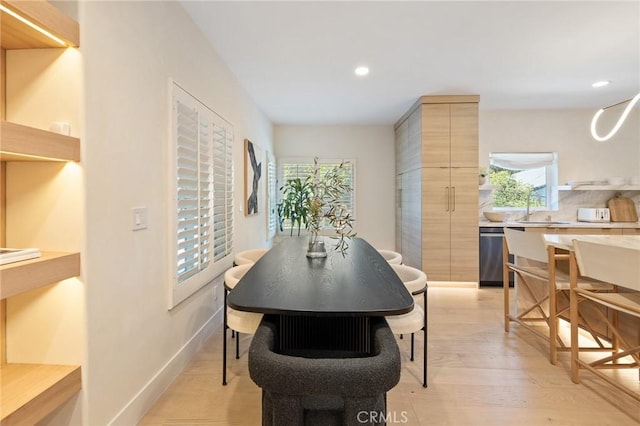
<point x="202" y="190"/>
<point x="272" y="218"/>
<point x="292" y="168"/>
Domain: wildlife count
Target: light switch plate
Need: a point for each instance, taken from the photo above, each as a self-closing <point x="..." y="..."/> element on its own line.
<point x="139" y="218"/>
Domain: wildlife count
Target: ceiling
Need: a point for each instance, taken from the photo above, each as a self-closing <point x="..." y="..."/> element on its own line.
<point x="296" y="59"/>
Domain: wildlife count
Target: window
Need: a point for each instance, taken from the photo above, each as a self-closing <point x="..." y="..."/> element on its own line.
<point x="524" y="178"/>
<point x="202" y="194"/>
<point x="289" y="168"/>
<point x="272" y="182"/>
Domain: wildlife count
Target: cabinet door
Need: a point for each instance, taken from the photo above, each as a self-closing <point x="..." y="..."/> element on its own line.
<point x="399" y="194"/>
<point x="402" y="146"/>
<point x="435" y="135"/>
<point x="631" y="231"/>
<point x="464" y="224"/>
<point x="411" y="217"/>
<point x="464" y="136"/>
<point x="414" y="147"/>
<point x="436" y="228"/>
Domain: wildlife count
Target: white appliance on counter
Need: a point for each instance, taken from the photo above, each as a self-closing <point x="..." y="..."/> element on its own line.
<point x="594" y="215"/>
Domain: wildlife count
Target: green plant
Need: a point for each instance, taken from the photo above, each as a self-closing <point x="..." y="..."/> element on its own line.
<point x="316" y="202"/>
<point x="296" y="196"/>
<point x="512" y="193"/>
<point x="328" y="190"/>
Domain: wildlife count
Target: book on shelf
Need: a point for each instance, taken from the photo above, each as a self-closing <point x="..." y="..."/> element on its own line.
<point x="10" y="255"/>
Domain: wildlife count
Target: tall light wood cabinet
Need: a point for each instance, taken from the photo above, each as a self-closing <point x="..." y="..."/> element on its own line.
<point x="31" y="391"/>
<point x="442" y="154"/>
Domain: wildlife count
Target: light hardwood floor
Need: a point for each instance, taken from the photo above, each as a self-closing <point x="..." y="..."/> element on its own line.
<point x="478" y="375"/>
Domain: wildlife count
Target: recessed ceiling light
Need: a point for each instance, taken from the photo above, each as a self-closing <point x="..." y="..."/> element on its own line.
<point x="361" y="71"/>
<point x="601" y="83"/>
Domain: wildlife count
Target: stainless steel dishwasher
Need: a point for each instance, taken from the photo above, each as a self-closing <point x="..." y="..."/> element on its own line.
<point x="491" y="256"/>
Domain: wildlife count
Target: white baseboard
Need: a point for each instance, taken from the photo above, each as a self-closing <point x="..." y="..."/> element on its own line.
<point x="454" y="284"/>
<point x="133" y="411"/>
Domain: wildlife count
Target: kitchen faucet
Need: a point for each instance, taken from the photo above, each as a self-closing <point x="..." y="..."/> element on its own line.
<point x="527" y="215"/>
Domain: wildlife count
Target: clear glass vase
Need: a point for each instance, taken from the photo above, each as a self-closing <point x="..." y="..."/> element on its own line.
<point x="316" y="247"/>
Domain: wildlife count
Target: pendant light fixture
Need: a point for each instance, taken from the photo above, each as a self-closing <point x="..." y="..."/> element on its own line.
<point x="621" y="120"/>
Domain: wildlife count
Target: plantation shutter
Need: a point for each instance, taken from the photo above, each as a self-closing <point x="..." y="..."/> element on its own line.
<point x="273" y="190"/>
<point x="203" y="193"/>
<point x="223" y="192"/>
<point x="188" y="192"/>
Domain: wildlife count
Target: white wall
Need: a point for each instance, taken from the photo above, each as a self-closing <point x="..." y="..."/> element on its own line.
<point x="567" y="132"/>
<point x="130" y="50"/>
<point x="372" y="149"/>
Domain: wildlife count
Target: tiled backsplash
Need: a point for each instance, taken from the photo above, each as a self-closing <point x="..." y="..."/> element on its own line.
<point x="569" y="202"/>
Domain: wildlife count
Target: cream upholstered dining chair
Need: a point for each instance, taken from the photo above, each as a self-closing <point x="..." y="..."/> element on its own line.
<point x="250" y="256"/>
<point x="394" y="258"/>
<point x="415" y="320"/>
<point x="238" y="321"/>
<point x="619" y="266"/>
<point x="541" y="288"/>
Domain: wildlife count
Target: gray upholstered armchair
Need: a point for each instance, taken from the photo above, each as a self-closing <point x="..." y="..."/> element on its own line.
<point x="320" y="388"/>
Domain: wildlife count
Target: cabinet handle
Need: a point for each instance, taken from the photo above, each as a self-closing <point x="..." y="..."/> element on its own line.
<point x="453" y="188"/>
<point x="447" y="198"/>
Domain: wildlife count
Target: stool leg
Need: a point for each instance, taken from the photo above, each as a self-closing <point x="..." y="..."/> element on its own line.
<point x="237" y="345"/>
<point x="424" y="359"/>
<point x="412" y="346"/>
<point x="424" y="355"/>
<point x="224" y="341"/>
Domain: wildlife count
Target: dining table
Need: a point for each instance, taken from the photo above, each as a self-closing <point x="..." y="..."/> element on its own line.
<point x="322" y="303"/>
<point x="358" y="282"/>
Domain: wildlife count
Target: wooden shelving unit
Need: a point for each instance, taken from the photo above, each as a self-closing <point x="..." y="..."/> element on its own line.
<point x="30" y="392"/>
<point x="599" y="188"/>
<point x="27" y="275"/>
<point x="18" y="35"/>
<point x="24" y="143"/>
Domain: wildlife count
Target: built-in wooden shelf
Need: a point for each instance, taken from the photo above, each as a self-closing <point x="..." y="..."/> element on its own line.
<point x="27" y="275"/>
<point x="18" y="35"/>
<point x="599" y="188"/>
<point x="29" y="392"/>
<point x="24" y="143"/>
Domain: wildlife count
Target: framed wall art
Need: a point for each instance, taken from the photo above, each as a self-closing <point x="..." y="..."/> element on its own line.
<point x="252" y="174"/>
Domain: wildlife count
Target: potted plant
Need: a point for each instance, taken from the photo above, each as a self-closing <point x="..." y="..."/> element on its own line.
<point x="296" y="196"/>
<point x="317" y="201"/>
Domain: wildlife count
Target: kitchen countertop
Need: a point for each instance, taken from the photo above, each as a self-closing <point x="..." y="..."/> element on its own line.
<point x="563" y="224"/>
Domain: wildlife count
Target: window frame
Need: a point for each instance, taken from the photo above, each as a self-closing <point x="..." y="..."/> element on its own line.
<point x="212" y="195"/>
<point x="551" y="181"/>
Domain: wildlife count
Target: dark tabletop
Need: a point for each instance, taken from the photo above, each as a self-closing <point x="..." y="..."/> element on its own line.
<point x="285" y="281"/>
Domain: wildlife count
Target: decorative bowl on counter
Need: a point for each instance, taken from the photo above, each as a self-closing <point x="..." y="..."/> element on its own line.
<point x="494" y="216"/>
